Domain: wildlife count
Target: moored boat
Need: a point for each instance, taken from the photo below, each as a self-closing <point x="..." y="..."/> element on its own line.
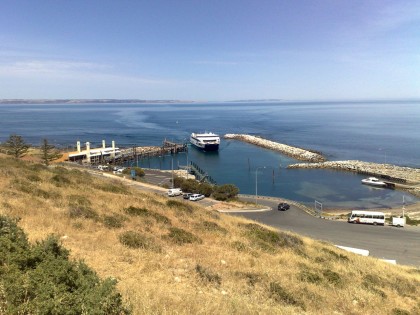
<point x="373" y="181"/>
<point x="207" y="141"/>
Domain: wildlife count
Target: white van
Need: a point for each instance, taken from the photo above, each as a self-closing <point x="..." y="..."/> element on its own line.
<point x="174" y="192"/>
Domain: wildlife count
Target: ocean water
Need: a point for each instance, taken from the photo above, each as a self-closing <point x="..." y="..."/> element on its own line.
<point x="383" y="132"/>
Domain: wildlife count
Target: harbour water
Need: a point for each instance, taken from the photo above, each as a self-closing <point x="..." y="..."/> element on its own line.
<point x="382" y="132"/>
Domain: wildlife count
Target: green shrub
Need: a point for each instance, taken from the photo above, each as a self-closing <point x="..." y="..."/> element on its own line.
<point x="398" y="311"/>
<point x="60" y="180"/>
<point x="135" y="211"/>
<point x="143" y="212"/>
<point x="225" y="192"/>
<point x="251" y="278"/>
<point x="114" y="187"/>
<point x="83" y="213"/>
<point x="40" y="279"/>
<point x="180" y="236"/>
<point x="310" y="277"/>
<point x="410" y="221"/>
<point x="207" y="275"/>
<point x="33" y="189"/>
<point x="33" y="178"/>
<point x="279" y="294"/>
<point x="161" y="218"/>
<point x="239" y="246"/>
<point x="114" y="221"/>
<point x="211" y="227"/>
<point x="193" y="186"/>
<point x="332" y="277"/>
<point x="269" y="240"/>
<point x="79" y="201"/>
<point x="205" y="189"/>
<point x="134" y="239"/>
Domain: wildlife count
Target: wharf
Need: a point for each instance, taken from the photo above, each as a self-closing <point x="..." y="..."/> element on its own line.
<point x="134" y="153"/>
<point x="294" y="152"/>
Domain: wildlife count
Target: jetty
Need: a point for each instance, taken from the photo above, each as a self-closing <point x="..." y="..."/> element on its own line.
<point x="115" y="155"/>
<point x="293" y="152"/>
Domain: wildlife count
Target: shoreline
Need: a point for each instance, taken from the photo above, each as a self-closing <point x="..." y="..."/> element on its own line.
<point x="294" y="152"/>
<point x="404" y="178"/>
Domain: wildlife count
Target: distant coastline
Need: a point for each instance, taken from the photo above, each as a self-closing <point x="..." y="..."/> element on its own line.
<point x="249" y="101"/>
<point x="89" y="101"/>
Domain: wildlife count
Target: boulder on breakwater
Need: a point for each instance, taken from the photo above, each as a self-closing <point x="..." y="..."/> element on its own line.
<point x="296" y="153"/>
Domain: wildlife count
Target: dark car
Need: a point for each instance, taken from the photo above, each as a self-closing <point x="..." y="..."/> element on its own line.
<point x="187" y="195"/>
<point x="283" y="206"/>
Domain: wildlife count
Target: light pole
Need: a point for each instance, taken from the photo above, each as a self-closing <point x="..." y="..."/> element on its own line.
<point x="383" y="149"/>
<point x="256" y="182"/>
<point x="172" y="167"/>
<point x="186" y="153"/>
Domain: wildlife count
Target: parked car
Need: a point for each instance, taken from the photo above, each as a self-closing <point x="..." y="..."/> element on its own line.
<point x="196" y="197"/>
<point x="187" y="195"/>
<point x="283" y="206"/>
<point x="174" y="192"/>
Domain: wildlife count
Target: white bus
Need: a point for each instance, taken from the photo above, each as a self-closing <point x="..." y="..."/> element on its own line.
<point x="368" y="217"/>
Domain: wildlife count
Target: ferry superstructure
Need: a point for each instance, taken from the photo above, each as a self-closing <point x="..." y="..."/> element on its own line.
<point x="207" y="141"/>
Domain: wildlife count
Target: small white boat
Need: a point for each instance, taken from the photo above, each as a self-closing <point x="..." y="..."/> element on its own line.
<point x="207" y="141"/>
<point x="373" y="181"/>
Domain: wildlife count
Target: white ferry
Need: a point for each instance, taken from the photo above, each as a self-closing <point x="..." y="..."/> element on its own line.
<point x="207" y="141"/>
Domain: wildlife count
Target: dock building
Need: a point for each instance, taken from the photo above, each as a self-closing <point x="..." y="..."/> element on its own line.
<point x="93" y="155"/>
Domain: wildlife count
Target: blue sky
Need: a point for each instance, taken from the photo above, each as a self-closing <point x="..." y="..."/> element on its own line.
<point x="210" y="50"/>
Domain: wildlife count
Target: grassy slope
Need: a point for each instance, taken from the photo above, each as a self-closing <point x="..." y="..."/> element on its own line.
<point x="232" y="266"/>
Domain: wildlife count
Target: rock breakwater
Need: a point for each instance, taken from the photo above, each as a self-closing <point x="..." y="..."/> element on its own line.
<point x="387" y="171"/>
<point x="296" y="153"/>
<point x="405" y="177"/>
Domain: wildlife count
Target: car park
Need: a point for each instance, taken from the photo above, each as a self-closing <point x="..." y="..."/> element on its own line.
<point x="283" y="206"/>
<point x="196" y="197"/>
<point x="187" y="195"/>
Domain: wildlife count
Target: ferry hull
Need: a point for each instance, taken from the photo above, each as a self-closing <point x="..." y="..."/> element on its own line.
<point x="206" y="142"/>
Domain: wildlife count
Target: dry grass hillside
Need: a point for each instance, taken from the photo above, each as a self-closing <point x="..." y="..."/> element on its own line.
<point x="174" y="257"/>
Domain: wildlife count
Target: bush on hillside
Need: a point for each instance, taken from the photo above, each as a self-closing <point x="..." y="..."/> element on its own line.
<point x="180" y="236"/>
<point x="136" y="240"/>
<point x="40" y="279"/>
<point x="114" y="221"/>
<point x="143" y="212"/>
<point x="269" y="240"/>
<point x="225" y="192"/>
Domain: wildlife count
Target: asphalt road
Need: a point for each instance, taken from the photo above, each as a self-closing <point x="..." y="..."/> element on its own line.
<point x="385" y="242"/>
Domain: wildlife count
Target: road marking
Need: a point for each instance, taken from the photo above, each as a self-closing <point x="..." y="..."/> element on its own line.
<point x="363" y="252"/>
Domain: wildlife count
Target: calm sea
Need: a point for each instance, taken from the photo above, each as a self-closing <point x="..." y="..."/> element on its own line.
<point x="384" y="132"/>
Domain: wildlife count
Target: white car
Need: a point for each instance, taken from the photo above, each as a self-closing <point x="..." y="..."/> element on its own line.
<point x="196" y="197"/>
<point x="174" y="192"/>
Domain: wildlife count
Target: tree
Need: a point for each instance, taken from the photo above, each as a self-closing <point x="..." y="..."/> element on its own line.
<point x="16" y="146"/>
<point x="48" y="152"/>
<point x="225" y="192"/>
